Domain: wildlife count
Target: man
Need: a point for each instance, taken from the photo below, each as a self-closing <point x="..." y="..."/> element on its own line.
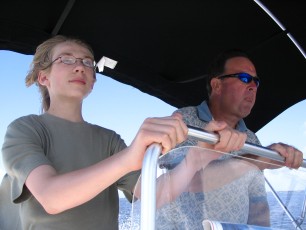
<point x="216" y="186"/>
<point x="232" y="86"/>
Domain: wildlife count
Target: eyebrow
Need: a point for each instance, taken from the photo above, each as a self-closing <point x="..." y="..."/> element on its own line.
<point x="70" y="54"/>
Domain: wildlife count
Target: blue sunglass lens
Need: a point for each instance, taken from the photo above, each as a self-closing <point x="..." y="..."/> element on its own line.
<point x="246" y="78"/>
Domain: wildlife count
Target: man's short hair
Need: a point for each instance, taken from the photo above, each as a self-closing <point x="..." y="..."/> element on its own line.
<point x="217" y="65"/>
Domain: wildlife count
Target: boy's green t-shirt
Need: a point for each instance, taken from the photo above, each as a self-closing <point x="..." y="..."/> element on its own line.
<point x="35" y="140"/>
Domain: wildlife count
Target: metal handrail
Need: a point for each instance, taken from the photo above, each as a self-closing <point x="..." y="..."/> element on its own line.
<point x="149" y="170"/>
<point x="148" y="187"/>
<point x="257" y="150"/>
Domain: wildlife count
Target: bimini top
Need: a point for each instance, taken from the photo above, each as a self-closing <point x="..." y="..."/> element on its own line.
<point x="163" y="47"/>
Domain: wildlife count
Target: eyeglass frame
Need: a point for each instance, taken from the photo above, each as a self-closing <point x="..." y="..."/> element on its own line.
<point x="256" y="79"/>
<point x="82" y="61"/>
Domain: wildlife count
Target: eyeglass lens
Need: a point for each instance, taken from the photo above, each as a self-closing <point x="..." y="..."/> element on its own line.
<point x="70" y="60"/>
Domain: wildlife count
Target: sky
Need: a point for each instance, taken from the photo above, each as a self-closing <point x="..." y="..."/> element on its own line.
<point x="121" y="107"/>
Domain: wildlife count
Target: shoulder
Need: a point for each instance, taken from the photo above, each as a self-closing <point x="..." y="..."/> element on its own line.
<point x="24" y="121"/>
<point x="252" y="138"/>
<point x="28" y="127"/>
<point x="107" y="135"/>
<point x="102" y="130"/>
<point x="189" y="110"/>
<point x="189" y="114"/>
<point x="27" y="118"/>
<point x="191" y="117"/>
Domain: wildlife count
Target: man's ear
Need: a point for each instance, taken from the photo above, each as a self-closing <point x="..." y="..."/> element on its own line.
<point x="215" y="84"/>
<point x="43" y="78"/>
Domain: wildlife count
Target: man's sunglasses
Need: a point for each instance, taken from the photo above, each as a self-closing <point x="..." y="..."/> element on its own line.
<point x="244" y="77"/>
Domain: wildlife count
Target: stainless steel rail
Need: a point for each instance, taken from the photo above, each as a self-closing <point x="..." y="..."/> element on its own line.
<point x="248" y="147"/>
<point x="149" y="170"/>
<point x="148" y="187"/>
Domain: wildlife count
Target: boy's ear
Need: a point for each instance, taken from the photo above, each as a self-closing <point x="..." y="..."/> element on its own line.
<point x="43" y="78"/>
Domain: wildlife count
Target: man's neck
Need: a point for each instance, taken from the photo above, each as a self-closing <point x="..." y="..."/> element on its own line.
<point x="220" y="115"/>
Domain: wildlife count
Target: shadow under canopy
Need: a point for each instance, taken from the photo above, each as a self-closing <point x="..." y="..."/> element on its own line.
<point x="163" y="48"/>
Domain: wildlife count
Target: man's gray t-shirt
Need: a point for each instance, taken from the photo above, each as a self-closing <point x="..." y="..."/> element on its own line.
<point x="34" y="140"/>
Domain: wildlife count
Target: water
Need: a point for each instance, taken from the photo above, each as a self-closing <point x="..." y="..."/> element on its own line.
<point x="125" y="214"/>
<point x="293" y="201"/>
<point x="279" y="219"/>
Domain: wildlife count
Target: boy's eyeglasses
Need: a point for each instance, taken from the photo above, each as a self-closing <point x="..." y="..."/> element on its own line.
<point x="70" y="60"/>
<point x="244" y="77"/>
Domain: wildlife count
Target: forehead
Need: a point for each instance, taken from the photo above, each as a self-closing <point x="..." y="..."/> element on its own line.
<point x="72" y="48"/>
<point x="239" y="64"/>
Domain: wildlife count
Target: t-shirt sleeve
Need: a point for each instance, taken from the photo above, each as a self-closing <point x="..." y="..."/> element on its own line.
<point x="128" y="182"/>
<point x="22" y="151"/>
